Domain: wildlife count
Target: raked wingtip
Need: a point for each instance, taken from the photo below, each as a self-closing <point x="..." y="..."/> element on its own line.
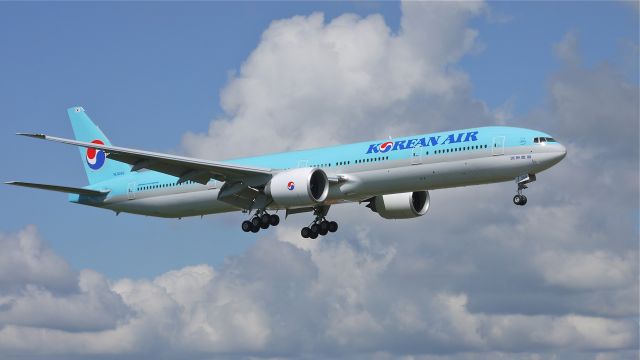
<point x="37" y="136"/>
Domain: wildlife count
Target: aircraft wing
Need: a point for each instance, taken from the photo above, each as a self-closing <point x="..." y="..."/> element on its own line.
<point x="184" y="168"/>
<point x="64" y="189"/>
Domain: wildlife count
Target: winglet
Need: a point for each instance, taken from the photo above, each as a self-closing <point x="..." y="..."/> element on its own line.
<point x="37" y="136"/>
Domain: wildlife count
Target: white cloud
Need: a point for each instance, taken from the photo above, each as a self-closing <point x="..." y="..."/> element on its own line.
<point x="594" y="270"/>
<point x="280" y="300"/>
<point x="567" y="49"/>
<point x="348" y="79"/>
<point x="38" y="264"/>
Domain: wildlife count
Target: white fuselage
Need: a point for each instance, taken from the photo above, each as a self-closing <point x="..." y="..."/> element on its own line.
<point x="360" y="181"/>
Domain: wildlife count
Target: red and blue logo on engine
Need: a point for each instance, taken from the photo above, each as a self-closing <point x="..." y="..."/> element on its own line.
<point x="95" y="157"/>
<point x="291" y="185"/>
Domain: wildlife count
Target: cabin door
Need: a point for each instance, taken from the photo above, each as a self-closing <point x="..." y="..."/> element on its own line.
<point x="416" y="155"/>
<point x="498" y="145"/>
<point x="131" y="191"/>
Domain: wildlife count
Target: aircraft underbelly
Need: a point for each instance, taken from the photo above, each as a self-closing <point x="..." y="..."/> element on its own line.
<point x="430" y="176"/>
<point x="176" y="205"/>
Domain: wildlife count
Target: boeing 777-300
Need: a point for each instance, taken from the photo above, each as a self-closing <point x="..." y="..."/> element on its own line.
<point x="393" y="177"/>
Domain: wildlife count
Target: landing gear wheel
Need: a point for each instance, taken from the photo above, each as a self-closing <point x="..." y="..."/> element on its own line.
<point x="264" y="225"/>
<point x="274" y="220"/>
<point x="305" y="232"/>
<point x="333" y="226"/>
<point x="524" y="200"/>
<point x="517" y="200"/>
<point x="323" y="231"/>
<point x="315" y="228"/>
<point x="255" y="228"/>
<point x="324" y="226"/>
<point x="255" y="221"/>
<point x="247" y="226"/>
<point x="265" y="219"/>
<point x="313" y="235"/>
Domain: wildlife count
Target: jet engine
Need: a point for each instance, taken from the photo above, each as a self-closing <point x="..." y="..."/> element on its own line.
<point x="401" y="206"/>
<point x="298" y="187"/>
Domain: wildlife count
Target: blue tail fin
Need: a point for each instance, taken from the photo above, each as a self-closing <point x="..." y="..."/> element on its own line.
<point x="98" y="167"/>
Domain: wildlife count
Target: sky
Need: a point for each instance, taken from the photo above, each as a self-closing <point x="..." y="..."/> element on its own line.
<point x="475" y="278"/>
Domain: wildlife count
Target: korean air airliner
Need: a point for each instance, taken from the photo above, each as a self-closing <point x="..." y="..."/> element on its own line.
<point x="392" y="177"/>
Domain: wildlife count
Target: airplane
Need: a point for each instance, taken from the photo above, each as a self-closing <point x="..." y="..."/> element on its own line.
<point x="392" y="177"/>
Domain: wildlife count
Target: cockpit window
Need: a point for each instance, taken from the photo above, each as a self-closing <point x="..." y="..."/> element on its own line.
<point x="540" y="140"/>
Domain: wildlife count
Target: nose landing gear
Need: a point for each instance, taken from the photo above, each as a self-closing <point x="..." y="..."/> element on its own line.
<point x="261" y="220"/>
<point x="520" y="200"/>
<point x="522" y="181"/>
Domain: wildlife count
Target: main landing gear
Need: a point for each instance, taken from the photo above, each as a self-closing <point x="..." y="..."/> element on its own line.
<point x="261" y="220"/>
<point x="320" y="226"/>
<point x="522" y="181"/>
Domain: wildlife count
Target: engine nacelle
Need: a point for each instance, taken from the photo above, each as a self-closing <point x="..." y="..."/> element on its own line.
<point x="298" y="187"/>
<point x="401" y="206"/>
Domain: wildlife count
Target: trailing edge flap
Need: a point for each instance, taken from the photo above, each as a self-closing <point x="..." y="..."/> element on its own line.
<point x="64" y="189"/>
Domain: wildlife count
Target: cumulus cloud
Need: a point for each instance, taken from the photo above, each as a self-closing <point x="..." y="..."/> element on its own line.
<point x="351" y="78"/>
<point x="38" y="264"/>
<point x="475" y="278"/>
<point x="280" y="300"/>
<point x="598" y="269"/>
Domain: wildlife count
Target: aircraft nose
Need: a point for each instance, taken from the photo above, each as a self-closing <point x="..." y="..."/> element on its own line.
<point x="562" y="152"/>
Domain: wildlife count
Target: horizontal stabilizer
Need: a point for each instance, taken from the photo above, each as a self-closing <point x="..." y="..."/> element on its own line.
<point x="64" y="189"/>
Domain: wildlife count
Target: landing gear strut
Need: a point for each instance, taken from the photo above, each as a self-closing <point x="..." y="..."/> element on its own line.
<point x="522" y="181"/>
<point x="261" y="220"/>
<point x="320" y="226"/>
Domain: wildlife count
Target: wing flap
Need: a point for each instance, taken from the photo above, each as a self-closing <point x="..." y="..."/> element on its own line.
<point x="64" y="189"/>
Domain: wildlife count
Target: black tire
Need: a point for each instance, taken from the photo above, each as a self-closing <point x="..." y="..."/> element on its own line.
<point x="305" y="232"/>
<point x="315" y="228"/>
<point x="246" y="226"/>
<point x="274" y="220"/>
<point x="255" y="228"/>
<point x="524" y="201"/>
<point x="313" y="235"/>
<point x="324" y="226"/>
<point x="255" y="221"/>
<point x="265" y="219"/>
<point x="333" y="226"/>
<point x="324" y="231"/>
<point x="517" y="199"/>
<point x="264" y="226"/>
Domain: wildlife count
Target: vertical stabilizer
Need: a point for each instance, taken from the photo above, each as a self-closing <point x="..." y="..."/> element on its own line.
<point x="96" y="164"/>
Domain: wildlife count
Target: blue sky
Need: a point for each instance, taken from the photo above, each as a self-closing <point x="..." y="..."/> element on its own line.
<point x="475" y="278"/>
<point x="148" y="73"/>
